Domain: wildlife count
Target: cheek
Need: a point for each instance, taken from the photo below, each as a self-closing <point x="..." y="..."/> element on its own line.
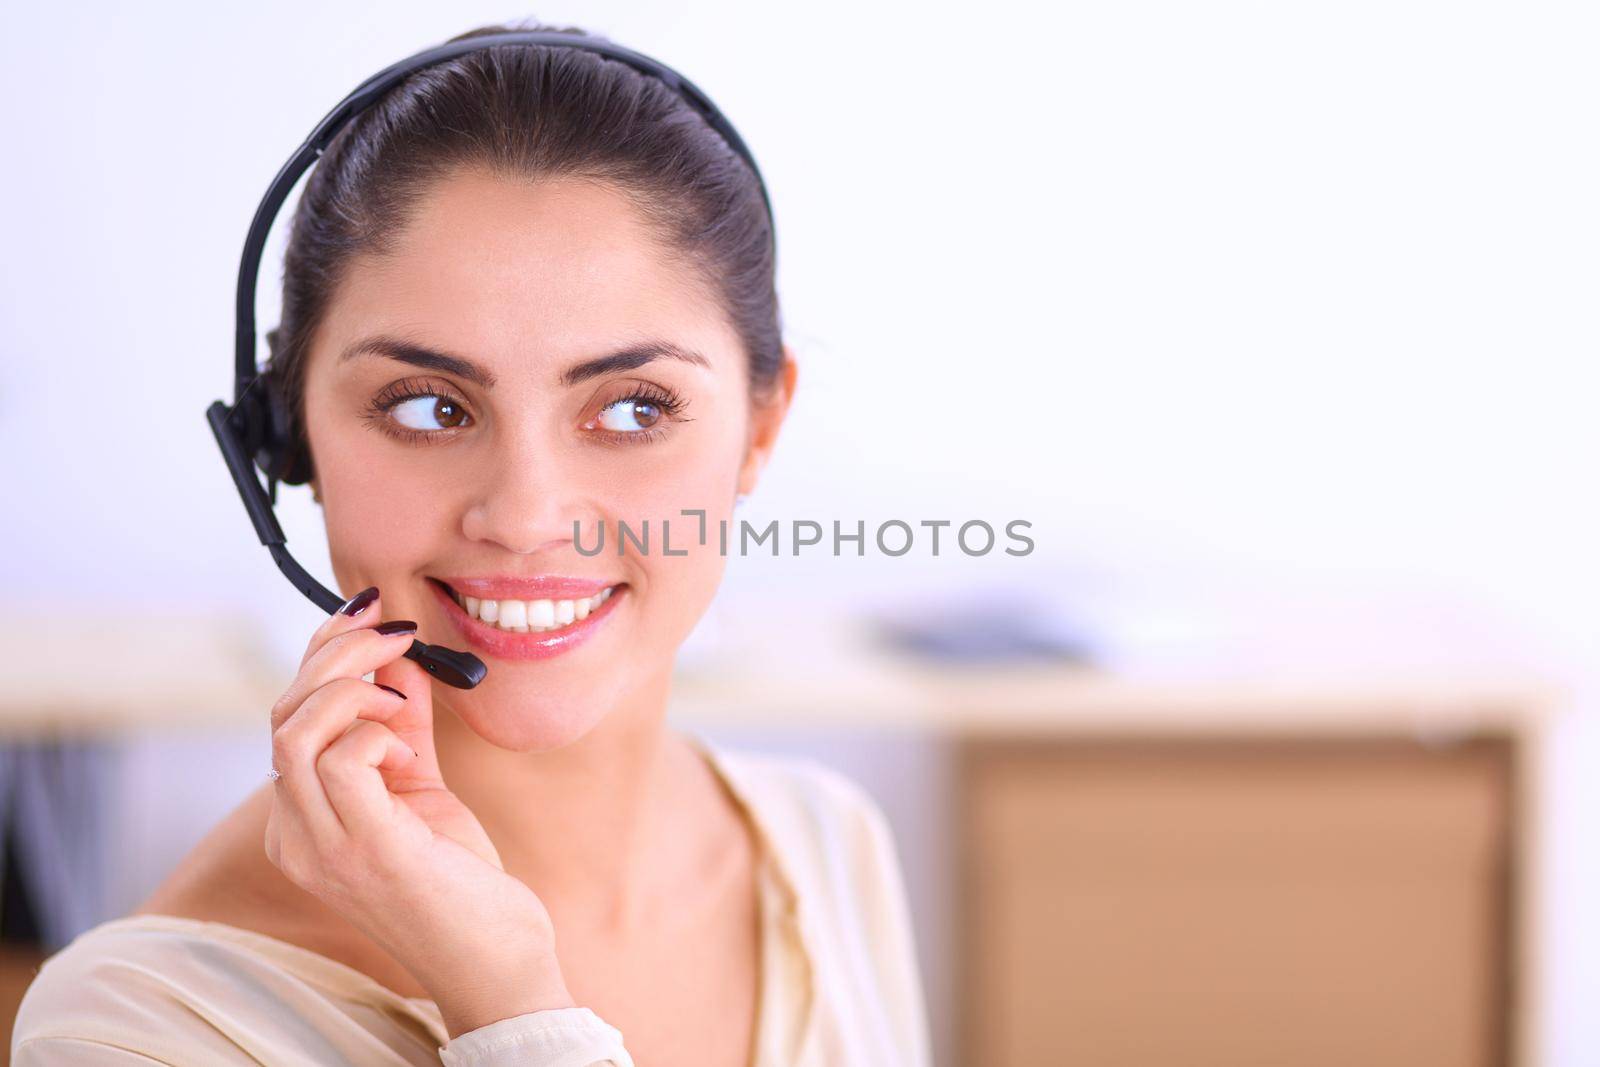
<point x="373" y="510"/>
<point x="659" y="489"/>
<point x="657" y="482"/>
<point x="373" y="529"/>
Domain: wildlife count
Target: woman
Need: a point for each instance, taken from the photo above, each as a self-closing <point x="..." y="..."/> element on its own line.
<point x="528" y="299"/>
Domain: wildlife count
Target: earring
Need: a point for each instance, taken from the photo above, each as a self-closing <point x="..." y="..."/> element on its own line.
<point x="740" y="498"/>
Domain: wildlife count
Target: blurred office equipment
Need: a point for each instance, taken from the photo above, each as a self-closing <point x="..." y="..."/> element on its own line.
<point x="985" y="629"/>
<point x="52" y="799"/>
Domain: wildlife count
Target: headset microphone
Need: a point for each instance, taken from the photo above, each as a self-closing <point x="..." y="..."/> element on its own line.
<point x="255" y="432"/>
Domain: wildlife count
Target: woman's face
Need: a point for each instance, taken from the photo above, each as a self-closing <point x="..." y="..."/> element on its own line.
<point x="474" y="473"/>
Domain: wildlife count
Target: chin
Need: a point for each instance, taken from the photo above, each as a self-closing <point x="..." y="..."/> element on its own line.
<point x="532" y="725"/>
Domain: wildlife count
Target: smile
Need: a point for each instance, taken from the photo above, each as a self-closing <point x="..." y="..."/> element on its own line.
<point x="527" y="629"/>
<point x="530" y="616"/>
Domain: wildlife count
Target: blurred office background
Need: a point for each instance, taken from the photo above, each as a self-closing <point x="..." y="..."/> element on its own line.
<point x="1277" y="322"/>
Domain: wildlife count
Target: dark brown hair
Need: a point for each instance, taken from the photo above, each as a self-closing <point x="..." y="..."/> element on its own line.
<point x="532" y="111"/>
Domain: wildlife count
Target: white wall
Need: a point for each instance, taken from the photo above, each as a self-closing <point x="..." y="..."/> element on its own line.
<point x="1223" y="296"/>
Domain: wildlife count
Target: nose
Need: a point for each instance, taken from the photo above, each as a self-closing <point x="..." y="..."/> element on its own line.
<point x="524" y="504"/>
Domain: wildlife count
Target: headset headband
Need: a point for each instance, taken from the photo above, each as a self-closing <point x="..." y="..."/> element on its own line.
<point x="370" y="91"/>
<point x="251" y="431"/>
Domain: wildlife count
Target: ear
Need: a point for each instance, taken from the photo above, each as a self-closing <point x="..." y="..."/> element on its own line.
<point x="766" y="419"/>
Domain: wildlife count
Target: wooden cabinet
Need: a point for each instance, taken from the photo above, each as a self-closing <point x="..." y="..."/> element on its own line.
<point x="1320" y="902"/>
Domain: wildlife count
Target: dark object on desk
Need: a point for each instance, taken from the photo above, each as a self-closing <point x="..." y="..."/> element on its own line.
<point x="963" y="632"/>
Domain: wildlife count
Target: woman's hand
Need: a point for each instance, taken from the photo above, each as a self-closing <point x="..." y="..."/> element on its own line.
<point x="361" y="819"/>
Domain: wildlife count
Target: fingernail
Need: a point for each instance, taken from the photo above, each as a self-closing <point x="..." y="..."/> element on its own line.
<point x="391" y="689"/>
<point x="396" y="626"/>
<point x="360" y="602"/>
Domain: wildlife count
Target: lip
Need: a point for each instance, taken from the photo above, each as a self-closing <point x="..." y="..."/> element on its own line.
<point x="503" y="644"/>
<point x="514" y="587"/>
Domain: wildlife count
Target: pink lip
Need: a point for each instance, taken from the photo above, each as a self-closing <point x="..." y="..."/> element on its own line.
<point x="511" y="587"/>
<point x="506" y="645"/>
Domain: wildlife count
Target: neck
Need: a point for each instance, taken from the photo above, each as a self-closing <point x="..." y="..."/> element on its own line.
<point x="592" y="826"/>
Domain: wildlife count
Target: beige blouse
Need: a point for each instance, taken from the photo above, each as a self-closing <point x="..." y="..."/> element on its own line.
<point x="839" y="985"/>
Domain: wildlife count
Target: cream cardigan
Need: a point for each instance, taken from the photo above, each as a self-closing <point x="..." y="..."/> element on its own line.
<point x="839" y="980"/>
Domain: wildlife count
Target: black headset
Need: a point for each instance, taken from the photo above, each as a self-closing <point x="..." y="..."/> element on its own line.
<point x="256" y="430"/>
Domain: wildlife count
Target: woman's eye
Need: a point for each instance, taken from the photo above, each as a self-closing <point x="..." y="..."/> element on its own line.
<point x="416" y="413"/>
<point x="630" y="415"/>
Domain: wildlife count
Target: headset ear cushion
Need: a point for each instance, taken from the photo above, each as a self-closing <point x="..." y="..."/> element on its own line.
<point x="250" y="424"/>
<point x="278" y="450"/>
<point x="297" y="464"/>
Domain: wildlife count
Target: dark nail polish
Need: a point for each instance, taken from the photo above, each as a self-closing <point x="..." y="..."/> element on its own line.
<point x="391" y="689"/>
<point x="360" y="602"/>
<point x="396" y="626"/>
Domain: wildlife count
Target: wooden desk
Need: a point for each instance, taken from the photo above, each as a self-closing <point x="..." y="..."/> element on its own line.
<point x="1327" y="871"/>
<point x="1330" y="870"/>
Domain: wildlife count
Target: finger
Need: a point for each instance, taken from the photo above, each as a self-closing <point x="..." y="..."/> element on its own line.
<point x="320" y="721"/>
<point x="363" y="609"/>
<point x="350" y="770"/>
<point x="414" y="721"/>
<point x="346" y="655"/>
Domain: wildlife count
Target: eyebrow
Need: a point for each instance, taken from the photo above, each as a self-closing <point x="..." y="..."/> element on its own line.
<point x="634" y="355"/>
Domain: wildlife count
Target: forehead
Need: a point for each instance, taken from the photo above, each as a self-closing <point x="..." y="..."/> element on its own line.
<point x="524" y="273"/>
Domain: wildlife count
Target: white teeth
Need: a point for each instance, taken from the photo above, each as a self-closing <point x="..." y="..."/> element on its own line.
<point x="532" y="616"/>
<point x="513" y="613"/>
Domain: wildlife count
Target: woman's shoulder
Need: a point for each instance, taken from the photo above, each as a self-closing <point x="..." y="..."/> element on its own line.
<point x="835" y="848"/>
<point x="818" y="815"/>
<point x="171" y="989"/>
<point x="118" y="992"/>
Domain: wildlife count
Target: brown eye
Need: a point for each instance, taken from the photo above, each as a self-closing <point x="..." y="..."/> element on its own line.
<point x="416" y="413"/>
<point x="630" y="415"/>
<point x="449" y="413"/>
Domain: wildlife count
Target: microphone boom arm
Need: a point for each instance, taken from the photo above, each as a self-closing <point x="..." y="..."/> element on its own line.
<point x="459" y="669"/>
